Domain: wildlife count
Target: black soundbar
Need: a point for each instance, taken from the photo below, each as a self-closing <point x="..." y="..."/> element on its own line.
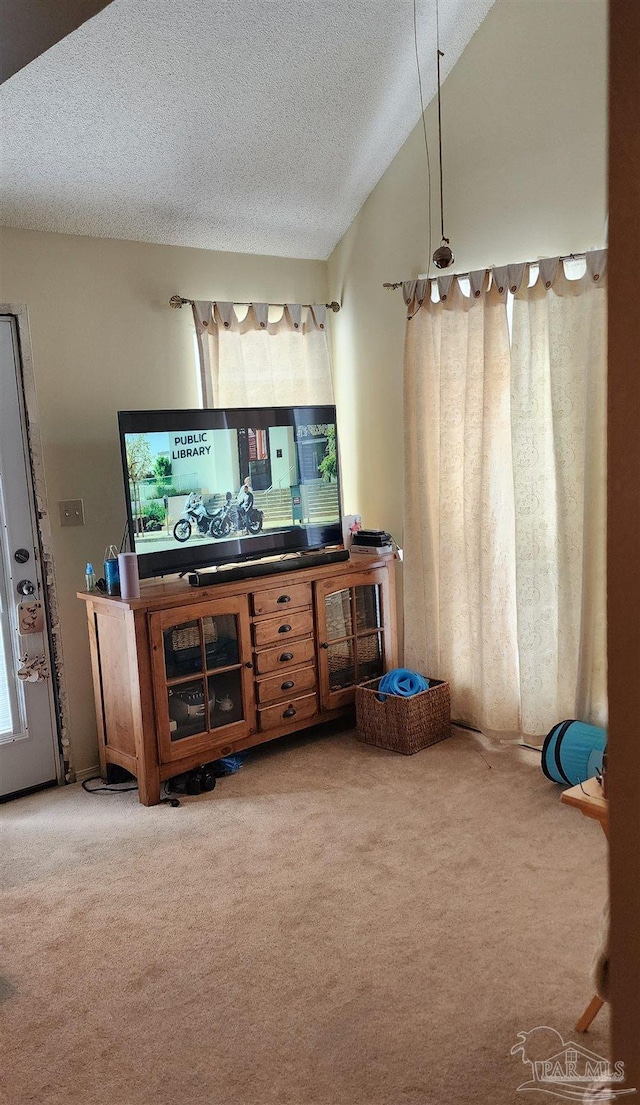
<point x="267" y="567"/>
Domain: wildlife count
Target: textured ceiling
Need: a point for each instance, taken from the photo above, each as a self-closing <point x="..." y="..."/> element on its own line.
<point x="255" y="126"/>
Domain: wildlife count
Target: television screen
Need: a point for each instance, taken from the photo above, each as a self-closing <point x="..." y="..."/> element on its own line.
<point x="209" y="487"/>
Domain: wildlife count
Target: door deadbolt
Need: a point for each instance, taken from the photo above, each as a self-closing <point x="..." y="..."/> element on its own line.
<point x="26" y="587"/>
<point x="21" y="556"/>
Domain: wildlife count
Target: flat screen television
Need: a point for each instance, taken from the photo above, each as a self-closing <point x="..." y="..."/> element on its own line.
<point x="210" y="487"/>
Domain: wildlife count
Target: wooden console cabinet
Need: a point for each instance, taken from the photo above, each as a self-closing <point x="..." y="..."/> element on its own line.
<point x="184" y="675"/>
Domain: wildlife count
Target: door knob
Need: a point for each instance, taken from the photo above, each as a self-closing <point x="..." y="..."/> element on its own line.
<point x="26" y="587"/>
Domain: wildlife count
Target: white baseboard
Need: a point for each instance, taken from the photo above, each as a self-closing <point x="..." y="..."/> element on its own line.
<point x="86" y="773"/>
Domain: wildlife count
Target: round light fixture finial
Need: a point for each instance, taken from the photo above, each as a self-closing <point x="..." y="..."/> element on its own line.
<point x="443" y="256"/>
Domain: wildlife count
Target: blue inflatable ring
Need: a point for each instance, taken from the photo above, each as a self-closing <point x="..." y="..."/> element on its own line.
<point x="401" y="681"/>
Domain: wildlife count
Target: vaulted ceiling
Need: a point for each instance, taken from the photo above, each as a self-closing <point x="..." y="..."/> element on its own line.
<point x="253" y="126"/>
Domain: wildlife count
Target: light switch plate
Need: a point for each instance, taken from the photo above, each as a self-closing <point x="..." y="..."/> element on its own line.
<point x="71" y="512"/>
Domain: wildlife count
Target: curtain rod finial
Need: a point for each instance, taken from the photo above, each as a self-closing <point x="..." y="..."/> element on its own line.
<point x="334" y="306"/>
<point x="177" y="301"/>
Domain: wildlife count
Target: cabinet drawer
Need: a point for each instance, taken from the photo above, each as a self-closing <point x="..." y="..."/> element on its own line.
<point x="296" y="709"/>
<point x="281" y="598"/>
<point x="289" y="654"/>
<point x="295" y="624"/>
<point x="286" y="684"/>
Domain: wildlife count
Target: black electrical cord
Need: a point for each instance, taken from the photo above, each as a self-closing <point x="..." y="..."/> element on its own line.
<point x="115" y="788"/>
<point x="118" y="788"/>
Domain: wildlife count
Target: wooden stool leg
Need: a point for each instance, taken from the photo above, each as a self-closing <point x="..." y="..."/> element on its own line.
<point x="590" y="1013"/>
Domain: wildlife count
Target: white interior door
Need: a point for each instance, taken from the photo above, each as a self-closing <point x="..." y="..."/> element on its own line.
<point x="28" y="737"/>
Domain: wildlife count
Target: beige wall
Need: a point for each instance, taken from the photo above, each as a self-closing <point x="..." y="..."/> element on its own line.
<point x="525" y="131"/>
<point x="104" y="339"/>
<point x="524" y="120"/>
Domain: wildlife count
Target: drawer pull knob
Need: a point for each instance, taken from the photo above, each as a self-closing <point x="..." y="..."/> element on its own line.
<point x="324" y="645"/>
<point x="248" y="664"/>
<point x="284" y="656"/>
<point x="291" y="712"/>
<point x="284" y="629"/>
<point x="284" y="598"/>
<point x="287" y="685"/>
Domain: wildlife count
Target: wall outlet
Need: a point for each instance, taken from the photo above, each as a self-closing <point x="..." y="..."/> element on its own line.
<point x="71" y="512"/>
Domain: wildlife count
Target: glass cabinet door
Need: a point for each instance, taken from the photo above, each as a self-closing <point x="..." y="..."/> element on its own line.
<point x="201" y="681"/>
<point x="351" y="626"/>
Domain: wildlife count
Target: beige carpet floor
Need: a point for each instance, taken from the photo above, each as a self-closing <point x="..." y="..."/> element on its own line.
<point x="334" y="925"/>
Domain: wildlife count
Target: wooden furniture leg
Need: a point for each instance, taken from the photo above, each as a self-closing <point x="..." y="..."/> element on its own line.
<point x="590" y="1013"/>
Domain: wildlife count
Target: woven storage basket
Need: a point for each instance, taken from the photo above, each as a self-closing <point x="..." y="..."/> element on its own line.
<point x="403" y="724"/>
<point x="189" y="637"/>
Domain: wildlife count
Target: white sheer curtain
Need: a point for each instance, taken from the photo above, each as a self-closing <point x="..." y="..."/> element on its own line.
<point x="505" y="495"/>
<point x="559" y="357"/>
<point x="255" y="362"/>
<point x="459" y="573"/>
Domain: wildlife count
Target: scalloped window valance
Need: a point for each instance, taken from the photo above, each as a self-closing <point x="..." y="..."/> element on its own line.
<point x="300" y="318"/>
<point x="461" y="290"/>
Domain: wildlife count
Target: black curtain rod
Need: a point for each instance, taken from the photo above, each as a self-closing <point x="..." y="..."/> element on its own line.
<point x="465" y="275"/>
<point x="178" y="301"/>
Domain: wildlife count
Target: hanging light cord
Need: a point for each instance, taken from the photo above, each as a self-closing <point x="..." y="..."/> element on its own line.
<point x="440" y="55"/>
<point x="424" y="125"/>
